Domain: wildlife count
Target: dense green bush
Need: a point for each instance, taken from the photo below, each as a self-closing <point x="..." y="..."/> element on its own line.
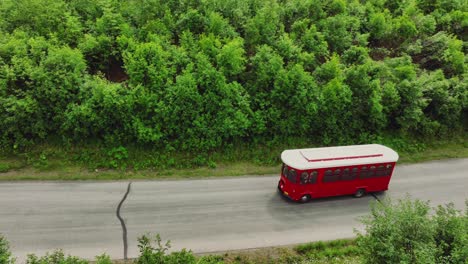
<point x="5" y="254"/>
<point x="153" y="251"/>
<point x="405" y="232"/>
<point x="201" y="75"/>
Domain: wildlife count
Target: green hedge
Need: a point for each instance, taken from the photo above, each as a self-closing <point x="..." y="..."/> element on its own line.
<point x="200" y="75"/>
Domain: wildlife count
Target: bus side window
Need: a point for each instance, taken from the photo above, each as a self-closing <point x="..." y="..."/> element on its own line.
<point x="372" y="172"/>
<point x="292" y="176"/>
<point x="304" y="178"/>
<point x="337" y="174"/>
<point x="346" y="175"/>
<point x="363" y="174"/>
<point x="354" y="173"/>
<point x="388" y="169"/>
<point x="381" y="171"/>
<point x="328" y="177"/>
<point x="313" y="177"/>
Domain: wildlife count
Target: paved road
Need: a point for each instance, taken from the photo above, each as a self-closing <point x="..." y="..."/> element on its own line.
<point x="203" y="215"/>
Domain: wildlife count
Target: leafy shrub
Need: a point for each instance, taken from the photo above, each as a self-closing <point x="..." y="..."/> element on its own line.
<point x="211" y="259"/>
<point x="57" y="257"/>
<point x="451" y="234"/>
<point x="5" y="254"/>
<point x="204" y="75"/>
<point x="153" y="251"/>
<point x="103" y="259"/>
<point x="404" y="231"/>
<point x="4" y="167"/>
<point x="117" y="157"/>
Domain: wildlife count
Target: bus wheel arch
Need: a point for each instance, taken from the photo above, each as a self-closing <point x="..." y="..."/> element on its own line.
<point x="305" y="198"/>
<point x="360" y="192"/>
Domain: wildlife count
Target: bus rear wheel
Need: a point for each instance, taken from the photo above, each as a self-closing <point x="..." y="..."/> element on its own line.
<point x="359" y="193"/>
<point x="305" y="198"/>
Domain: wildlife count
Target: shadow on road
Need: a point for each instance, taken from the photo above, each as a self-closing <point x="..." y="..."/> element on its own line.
<point x="285" y="210"/>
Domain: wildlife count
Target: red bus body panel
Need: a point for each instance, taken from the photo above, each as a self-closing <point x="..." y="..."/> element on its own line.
<point x="372" y="177"/>
<point x="326" y="189"/>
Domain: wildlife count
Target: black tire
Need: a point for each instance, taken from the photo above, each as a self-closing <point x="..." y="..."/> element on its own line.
<point x="359" y="193"/>
<point x="305" y="198"/>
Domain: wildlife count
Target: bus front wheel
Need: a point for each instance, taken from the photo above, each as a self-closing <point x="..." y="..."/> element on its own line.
<point x="305" y="198"/>
<point x="359" y="193"/>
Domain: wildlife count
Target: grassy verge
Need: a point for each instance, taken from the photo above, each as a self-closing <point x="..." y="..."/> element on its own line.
<point x="339" y="251"/>
<point x="91" y="163"/>
<point x="437" y="150"/>
<point x="335" y="252"/>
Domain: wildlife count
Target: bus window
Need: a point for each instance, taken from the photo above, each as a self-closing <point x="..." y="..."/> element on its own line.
<point x="354" y="173"/>
<point x="292" y="176"/>
<point x="337" y="174"/>
<point x="329" y="176"/>
<point x="304" y="177"/>
<point x="388" y="169"/>
<point x="372" y="172"/>
<point x="380" y="171"/>
<point x="313" y="177"/>
<point x="363" y="174"/>
<point x="347" y="175"/>
<point x="285" y="171"/>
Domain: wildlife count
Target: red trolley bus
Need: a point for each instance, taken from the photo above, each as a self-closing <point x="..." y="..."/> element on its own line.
<point x="331" y="171"/>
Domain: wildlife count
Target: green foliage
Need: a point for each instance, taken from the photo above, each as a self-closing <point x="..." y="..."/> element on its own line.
<point x="103" y="259"/>
<point x="104" y="111"/>
<point x="4" y="167"/>
<point x="21" y="121"/>
<point x="5" y="254"/>
<point x="200" y="76"/>
<point x="153" y="251"/>
<point x="211" y="259"/>
<point x="47" y="18"/>
<point x="404" y="232"/>
<point x="340" y="31"/>
<point x="295" y="99"/>
<point x="117" y="157"/>
<point x="57" y="257"/>
<point x="451" y="235"/>
<point x="147" y="66"/>
<point x="231" y="58"/>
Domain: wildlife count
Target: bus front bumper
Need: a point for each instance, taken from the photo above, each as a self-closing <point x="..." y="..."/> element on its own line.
<point x="283" y="192"/>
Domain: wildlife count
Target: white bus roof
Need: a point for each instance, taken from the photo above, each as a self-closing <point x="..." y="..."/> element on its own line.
<point x="316" y="158"/>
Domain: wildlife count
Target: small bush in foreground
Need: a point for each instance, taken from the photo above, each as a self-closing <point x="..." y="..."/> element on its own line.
<point x="5" y="254"/>
<point x="58" y="257"/>
<point x="153" y="251"/>
<point x="404" y="232"/>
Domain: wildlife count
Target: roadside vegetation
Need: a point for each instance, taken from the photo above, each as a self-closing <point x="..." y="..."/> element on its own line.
<point x="403" y="231"/>
<point x="160" y="85"/>
<point x="55" y="163"/>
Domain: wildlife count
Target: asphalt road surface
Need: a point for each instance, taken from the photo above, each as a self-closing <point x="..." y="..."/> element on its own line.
<point x="203" y="215"/>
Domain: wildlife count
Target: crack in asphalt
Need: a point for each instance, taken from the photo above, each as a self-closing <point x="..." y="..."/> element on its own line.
<point x="122" y="222"/>
<point x="377" y="198"/>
